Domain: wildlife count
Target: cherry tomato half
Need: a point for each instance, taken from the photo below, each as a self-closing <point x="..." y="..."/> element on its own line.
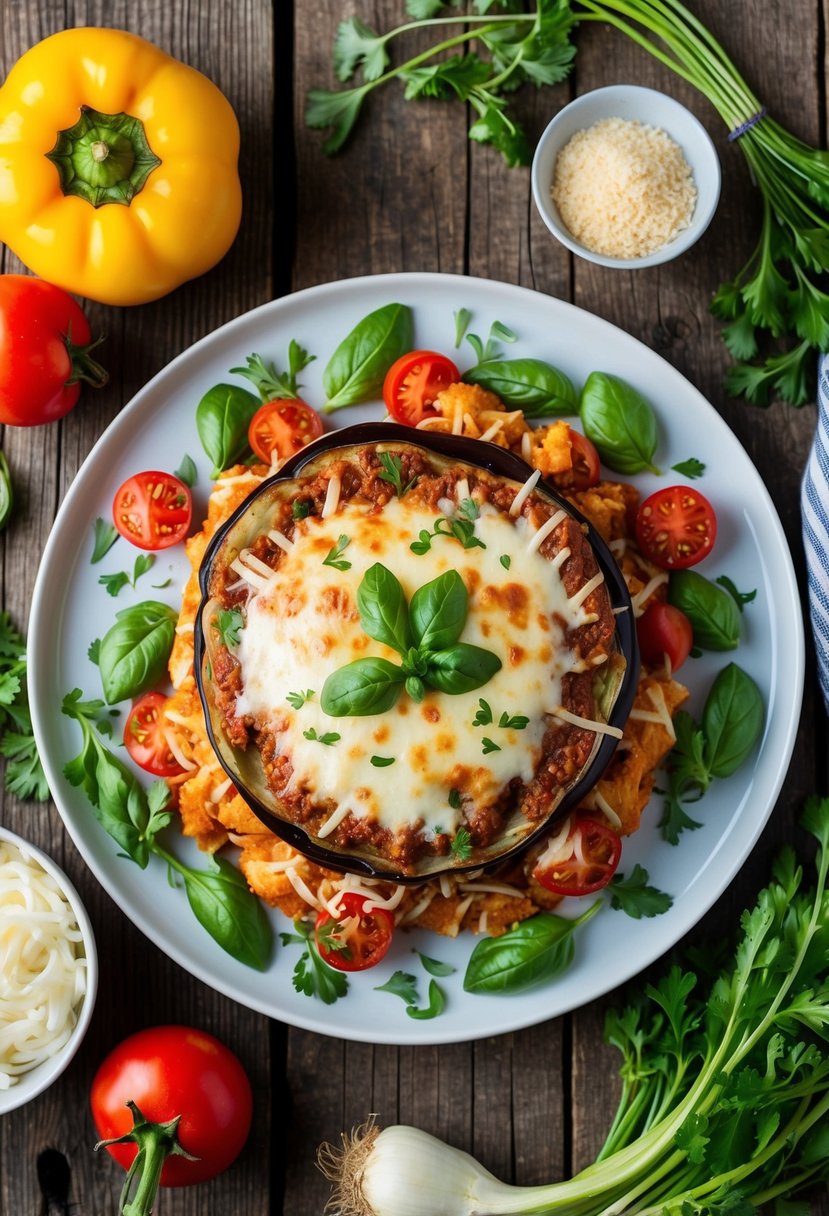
<point x="281" y="427"/>
<point x="413" y="382"/>
<point x="586" y="468"/>
<point x="676" y="527"/>
<point x="45" y="347"/>
<point x="144" y="737"/>
<point x="592" y="854"/>
<point x="663" y="630"/>
<point x="356" y="939"/>
<point x="152" y="510"/>
<point x="168" y="1071"/>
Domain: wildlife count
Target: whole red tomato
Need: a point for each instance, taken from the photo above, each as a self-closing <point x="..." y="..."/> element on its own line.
<point x="170" y="1073"/>
<point x="45" y="345"/>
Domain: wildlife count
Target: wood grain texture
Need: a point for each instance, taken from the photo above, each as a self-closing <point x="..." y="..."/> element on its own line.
<point x="409" y="193"/>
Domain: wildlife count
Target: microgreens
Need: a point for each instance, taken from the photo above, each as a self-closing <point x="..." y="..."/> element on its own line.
<point x="505" y="560"/>
<point x="393" y="473"/>
<point x="298" y="699"/>
<point x="300" y="509"/>
<point x="115" y="582"/>
<point x="488" y="745"/>
<point x="329" y="738"/>
<point x="461" y="530"/>
<point x="454" y="799"/>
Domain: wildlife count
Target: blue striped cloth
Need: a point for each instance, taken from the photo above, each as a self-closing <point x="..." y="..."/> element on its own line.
<point x="814" y="504"/>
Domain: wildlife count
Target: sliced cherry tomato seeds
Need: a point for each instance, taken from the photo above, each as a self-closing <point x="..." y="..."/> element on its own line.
<point x="676" y="527"/>
<point x="355" y="939"/>
<point x="145" y="740"/>
<point x="282" y="427"/>
<point x="414" y="381"/>
<point x="152" y="510"/>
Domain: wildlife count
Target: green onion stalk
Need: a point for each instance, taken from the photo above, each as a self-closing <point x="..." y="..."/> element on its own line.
<point x="778" y="289"/>
<point x="725" y="1098"/>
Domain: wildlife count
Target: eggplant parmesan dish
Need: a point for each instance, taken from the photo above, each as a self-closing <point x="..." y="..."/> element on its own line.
<point x="413" y="659"/>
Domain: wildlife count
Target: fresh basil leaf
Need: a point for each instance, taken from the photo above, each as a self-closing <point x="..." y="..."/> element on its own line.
<point x="732" y="720"/>
<point x="134" y="652"/>
<point x="461" y="668"/>
<point x="356" y="370"/>
<point x="384" y="614"/>
<point x="438" y="611"/>
<point x="713" y="614"/>
<point x="104" y="537"/>
<point x="437" y="1004"/>
<point x="434" y="966"/>
<point x="187" y="471"/>
<point x="531" y="385"/>
<point x="620" y="422"/>
<point x="364" y="687"/>
<point x="233" y="916"/>
<point x="117" y="797"/>
<point x="222" y="419"/>
<point x="415" y="688"/>
<point x="463" y="316"/>
<point x="534" y="952"/>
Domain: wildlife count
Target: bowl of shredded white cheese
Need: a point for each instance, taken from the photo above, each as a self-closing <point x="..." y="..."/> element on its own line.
<point x="48" y="971"/>
<point x="626" y="177"/>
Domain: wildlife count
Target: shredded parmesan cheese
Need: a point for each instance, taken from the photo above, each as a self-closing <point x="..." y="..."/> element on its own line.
<point x="623" y="188"/>
<point x="332" y="496"/>
<point x="524" y="493"/>
<point x="42" y="966"/>
<point x="549" y="525"/>
<point x="601" y="728"/>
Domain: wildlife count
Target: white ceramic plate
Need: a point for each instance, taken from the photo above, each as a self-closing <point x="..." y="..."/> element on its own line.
<point x="157" y="428"/>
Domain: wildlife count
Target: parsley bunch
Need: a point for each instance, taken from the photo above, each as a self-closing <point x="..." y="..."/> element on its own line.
<point x="24" y="774"/>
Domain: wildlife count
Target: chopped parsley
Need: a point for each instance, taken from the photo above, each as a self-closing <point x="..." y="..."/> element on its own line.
<point x="484" y="715"/>
<point x="382" y="761"/>
<point x="461" y="530"/>
<point x="455" y="799"/>
<point x="634" y="896"/>
<point x="690" y="468"/>
<point x="462" y="845"/>
<point x="487" y="746"/>
<point x="104" y="537"/>
<point x="505" y="560"/>
<point x="329" y="738"/>
<point x="298" y="699"/>
<point x="393" y="473"/>
<point x="311" y="975"/>
<point x="516" y="722"/>
<point x="300" y="509"/>
<point x="333" y="557"/>
<point x="229" y="622"/>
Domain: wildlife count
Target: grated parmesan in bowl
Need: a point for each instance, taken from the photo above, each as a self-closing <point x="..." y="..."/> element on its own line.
<point x="626" y="177"/>
<point x="48" y="971"/>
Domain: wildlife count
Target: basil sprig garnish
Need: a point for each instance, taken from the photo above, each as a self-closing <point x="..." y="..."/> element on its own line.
<point x="134" y="817"/>
<point x="713" y="612"/>
<point x="535" y="951"/>
<point x="425" y="634"/>
<point x="222" y="419"/>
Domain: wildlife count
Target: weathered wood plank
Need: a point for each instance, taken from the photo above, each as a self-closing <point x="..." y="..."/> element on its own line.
<point x="44" y="461"/>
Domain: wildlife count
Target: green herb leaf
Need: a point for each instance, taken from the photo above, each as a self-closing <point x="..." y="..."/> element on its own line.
<point x="484" y="715"/>
<point x="469" y="509"/>
<point x="187" y="471"/>
<point x="533" y="953"/>
<point x="226" y="907"/>
<point x="384" y="613"/>
<point x="435" y="966"/>
<point x="436" y="1006"/>
<point x="104" y="537"/>
<point x="312" y="976"/>
<point x="338" y="110"/>
<point x="462" y="319"/>
<point x="222" y="419"/>
<point x="133" y="654"/>
<point x="6" y="491"/>
<point x="516" y="722"/>
<point x="362" y="688"/>
<point x="620" y="422"/>
<point x="115" y="582"/>
<point x="461" y="668"/>
<point x="403" y="985"/>
<point x="382" y="761"/>
<point x="300" y="509"/>
<point x="461" y="845"/>
<point x="356" y="46"/>
<point x="454" y="799"/>
<point x="732" y="720"/>
<point x="298" y="699"/>
<point x="712" y="612"/>
<point x="634" y="896"/>
<point x="329" y="738"/>
<point x="530" y="385"/>
<point x="270" y="383"/>
<point x="438" y="612"/>
<point x="393" y="473"/>
<point x="505" y="560"/>
<point x="487" y="746"/>
<point x="229" y="622"/>
<point x="740" y="598"/>
<point x="356" y="370"/>
<point x="689" y="468"/>
<point x="332" y="557"/>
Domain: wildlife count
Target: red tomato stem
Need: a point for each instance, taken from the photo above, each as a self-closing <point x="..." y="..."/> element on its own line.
<point x="156" y="1142"/>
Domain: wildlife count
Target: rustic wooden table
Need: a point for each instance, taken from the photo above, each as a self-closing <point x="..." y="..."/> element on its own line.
<point x="409" y="193"/>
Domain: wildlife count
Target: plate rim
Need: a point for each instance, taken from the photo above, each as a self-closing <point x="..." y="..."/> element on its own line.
<point x="428" y="1033"/>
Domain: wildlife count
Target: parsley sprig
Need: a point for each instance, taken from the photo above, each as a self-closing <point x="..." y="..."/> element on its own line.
<point x="461" y="530"/>
<point x="312" y="976"/>
<point x="510" y="49"/>
<point x="393" y="473"/>
<point x="269" y="381"/>
<point x="24" y="774"/>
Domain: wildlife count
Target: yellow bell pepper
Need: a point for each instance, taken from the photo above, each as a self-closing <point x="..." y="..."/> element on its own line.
<point x="118" y="166"/>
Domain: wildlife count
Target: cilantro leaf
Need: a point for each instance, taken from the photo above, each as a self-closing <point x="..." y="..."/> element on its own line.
<point x="229" y="622"/>
<point x="24" y="774"/>
<point x="403" y="985"/>
<point x="298" y="699"/>
<point x="355" y="45"/>
<point x="690" y="468"/>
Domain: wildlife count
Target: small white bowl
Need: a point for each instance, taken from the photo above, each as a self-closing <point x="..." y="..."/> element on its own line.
<point x="29" y="1084"/>
<point x="633" y="103"/>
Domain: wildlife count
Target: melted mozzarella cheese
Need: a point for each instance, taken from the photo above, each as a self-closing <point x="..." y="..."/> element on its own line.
<point x="305" y="624"/>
